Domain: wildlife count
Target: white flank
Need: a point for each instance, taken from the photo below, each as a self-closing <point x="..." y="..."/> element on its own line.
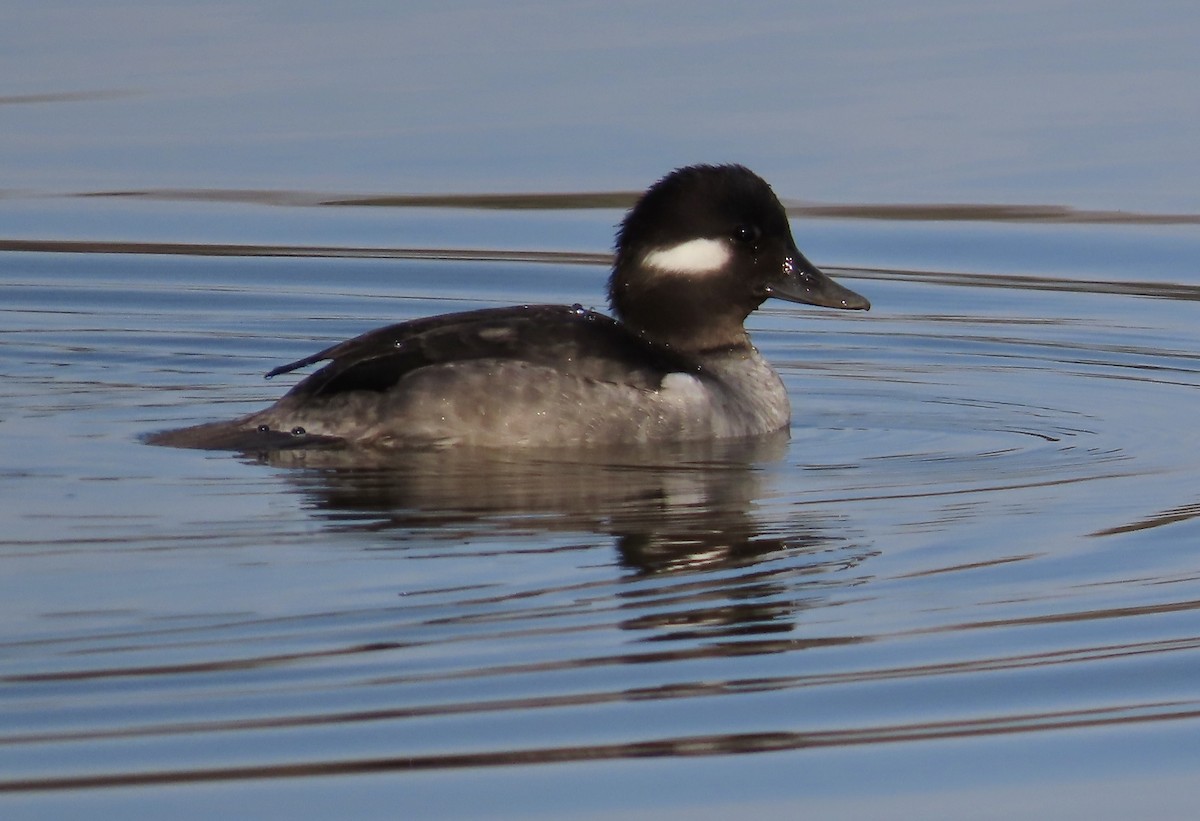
<point x="696" y="256"/>
<point x="682" y="390"/>
<point x="679" y="382"/>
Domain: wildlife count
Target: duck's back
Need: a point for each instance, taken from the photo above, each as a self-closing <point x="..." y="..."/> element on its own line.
<point x="526" y="376"/>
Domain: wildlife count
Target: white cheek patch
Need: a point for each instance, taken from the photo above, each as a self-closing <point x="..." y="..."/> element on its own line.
<point x="696" y="256"/>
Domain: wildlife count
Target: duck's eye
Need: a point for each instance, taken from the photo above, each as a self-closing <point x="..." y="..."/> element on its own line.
<point x="746" y="234"/>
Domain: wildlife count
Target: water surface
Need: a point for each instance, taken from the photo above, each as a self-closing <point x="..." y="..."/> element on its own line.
<point x="964" y="585"/>
<point x="978" y="535"/>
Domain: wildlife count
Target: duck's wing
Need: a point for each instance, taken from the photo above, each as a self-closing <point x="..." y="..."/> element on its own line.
<point x="571" y="340"/>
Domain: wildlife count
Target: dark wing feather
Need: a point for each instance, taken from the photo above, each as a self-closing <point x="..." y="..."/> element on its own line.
<point x="572" y="340"/>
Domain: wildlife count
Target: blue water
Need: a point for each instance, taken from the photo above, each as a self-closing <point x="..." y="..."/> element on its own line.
<point x="964" y="586"/>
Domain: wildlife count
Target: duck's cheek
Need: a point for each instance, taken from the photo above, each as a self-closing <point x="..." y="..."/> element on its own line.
<point x="694" y="257"/>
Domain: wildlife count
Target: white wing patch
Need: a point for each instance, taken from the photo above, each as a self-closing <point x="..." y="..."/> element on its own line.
<point x="696" y="256"/>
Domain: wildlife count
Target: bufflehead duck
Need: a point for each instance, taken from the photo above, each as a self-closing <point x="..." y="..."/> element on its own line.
<point x="701" y="250"/>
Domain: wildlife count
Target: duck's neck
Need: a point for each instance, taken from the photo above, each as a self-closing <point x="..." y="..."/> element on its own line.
<point x="681" y="315"/>
<point x="691" y="339"/>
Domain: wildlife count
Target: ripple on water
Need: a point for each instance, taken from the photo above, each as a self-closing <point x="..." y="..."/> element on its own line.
<point x="977" y="529"/>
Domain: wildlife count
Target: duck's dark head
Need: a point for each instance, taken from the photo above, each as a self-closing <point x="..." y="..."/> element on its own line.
<point x="704" y="247"/>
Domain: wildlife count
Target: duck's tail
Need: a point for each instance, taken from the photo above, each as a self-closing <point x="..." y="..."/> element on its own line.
<point x="241" y="435"/>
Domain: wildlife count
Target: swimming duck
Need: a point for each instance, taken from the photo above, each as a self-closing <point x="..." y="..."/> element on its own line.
<point x="700" y="250"/>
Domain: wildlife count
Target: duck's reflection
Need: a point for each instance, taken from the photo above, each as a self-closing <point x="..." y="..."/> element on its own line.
<point x="668" y="510"/>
